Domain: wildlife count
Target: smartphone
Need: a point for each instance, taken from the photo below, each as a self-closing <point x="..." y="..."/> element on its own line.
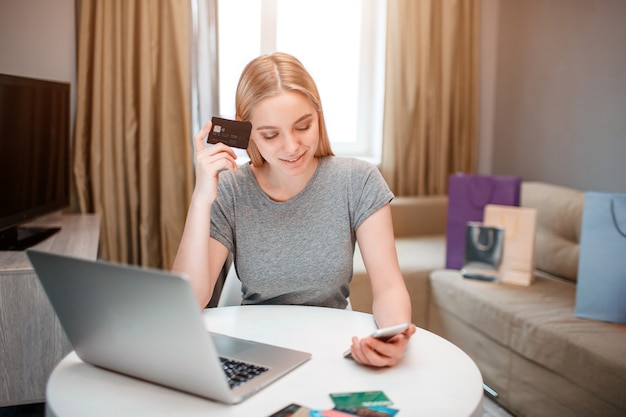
<point x="387" y="333"/>
<point x="234" y="133"/>
<point x="383" y="334"/>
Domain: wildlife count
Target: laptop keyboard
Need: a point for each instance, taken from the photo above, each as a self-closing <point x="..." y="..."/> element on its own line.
<point x="238" y="372"/>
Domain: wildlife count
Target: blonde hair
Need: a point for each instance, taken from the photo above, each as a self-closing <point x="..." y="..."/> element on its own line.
<point x="268" y="76"/>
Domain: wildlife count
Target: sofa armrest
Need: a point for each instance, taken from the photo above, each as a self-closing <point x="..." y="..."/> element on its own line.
<point x="420" y="215"/>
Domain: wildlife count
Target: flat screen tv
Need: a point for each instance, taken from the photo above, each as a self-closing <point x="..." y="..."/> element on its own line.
<point x="34" y="156"/>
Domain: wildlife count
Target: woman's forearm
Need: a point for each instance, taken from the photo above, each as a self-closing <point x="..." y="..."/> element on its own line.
<point x="392" y="306"/>
<point x="192" y="257"/>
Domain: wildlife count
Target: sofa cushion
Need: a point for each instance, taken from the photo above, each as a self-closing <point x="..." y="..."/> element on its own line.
<point x="559" y="216"/>
<point x="538" y="323"/>
<point x="588" y="353"/>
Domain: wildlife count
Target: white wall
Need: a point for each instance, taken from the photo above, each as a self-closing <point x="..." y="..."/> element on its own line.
<point x="560" y="92"/>
<point x="37" y="39"/>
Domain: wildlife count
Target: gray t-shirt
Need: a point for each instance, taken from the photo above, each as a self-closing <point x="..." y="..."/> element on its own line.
<point x="299" y="251"/>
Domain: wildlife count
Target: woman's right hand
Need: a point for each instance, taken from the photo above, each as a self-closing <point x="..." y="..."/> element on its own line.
<point x="209" y="162"/>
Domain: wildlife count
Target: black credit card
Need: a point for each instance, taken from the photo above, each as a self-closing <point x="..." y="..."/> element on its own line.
<point x="230" y="132"/>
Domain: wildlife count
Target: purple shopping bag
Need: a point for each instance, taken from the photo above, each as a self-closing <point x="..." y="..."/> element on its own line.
<point x="468" y="194"/>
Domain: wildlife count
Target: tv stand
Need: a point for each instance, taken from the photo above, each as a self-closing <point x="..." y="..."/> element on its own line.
<point x="21" y="238"/>
<point x="33" y="341"/>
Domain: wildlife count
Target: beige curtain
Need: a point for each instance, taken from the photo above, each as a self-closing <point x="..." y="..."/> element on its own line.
<point x="431" y="99"/>
<point x="132" y="160"/>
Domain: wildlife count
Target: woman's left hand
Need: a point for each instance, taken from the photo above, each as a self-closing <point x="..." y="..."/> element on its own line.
<point x="377" y="353"/>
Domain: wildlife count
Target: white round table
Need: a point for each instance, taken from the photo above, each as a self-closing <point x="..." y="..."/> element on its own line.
<point x="434" y="379"/>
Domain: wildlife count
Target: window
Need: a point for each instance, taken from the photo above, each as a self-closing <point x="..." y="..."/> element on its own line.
<point x="340" y="42"/>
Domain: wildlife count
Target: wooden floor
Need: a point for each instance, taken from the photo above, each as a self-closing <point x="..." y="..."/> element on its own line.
<point x="491" y="409"/>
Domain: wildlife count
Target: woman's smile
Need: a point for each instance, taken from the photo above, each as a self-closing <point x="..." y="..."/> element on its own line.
<point x="294" y="160"/>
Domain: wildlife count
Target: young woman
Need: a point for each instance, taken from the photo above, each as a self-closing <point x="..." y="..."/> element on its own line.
<point x="291" y="216"/>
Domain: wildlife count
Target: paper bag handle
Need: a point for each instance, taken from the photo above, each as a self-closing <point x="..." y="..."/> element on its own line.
<point x="510" y="228"/>
<point x="615" y="222"/>
<point x="475" y="233"/>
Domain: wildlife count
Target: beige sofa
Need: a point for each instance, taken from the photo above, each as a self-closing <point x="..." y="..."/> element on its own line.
<point x="531" y="349"/>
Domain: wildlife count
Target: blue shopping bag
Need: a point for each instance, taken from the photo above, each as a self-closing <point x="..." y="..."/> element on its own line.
<point x="601" y="288"/>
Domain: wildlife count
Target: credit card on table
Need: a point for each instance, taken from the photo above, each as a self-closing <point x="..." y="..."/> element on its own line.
<point x="362" y="412"/>
<point x="233" y="133"/>
<point x="293" y="410"/>
<point x="360" y="399"/>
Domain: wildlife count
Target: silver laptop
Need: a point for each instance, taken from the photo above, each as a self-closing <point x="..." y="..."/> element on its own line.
<point x="146" y="323"/>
